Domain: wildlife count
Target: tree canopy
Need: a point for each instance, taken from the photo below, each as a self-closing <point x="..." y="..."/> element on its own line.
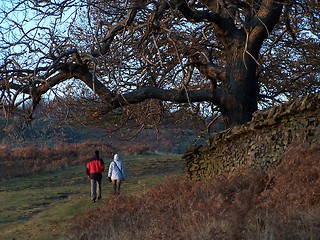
<point x="225" y="56"/>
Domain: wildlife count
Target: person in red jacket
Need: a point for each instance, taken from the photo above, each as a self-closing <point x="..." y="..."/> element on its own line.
<point x="95" y="167"/>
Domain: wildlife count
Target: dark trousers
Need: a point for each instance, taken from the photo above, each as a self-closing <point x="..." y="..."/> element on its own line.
<point x="116" y="185"/>
<point x="95" y="188"/>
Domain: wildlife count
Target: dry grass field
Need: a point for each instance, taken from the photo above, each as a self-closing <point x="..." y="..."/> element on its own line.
<point x="44" y="195"/>
<point x="281" y="204"/>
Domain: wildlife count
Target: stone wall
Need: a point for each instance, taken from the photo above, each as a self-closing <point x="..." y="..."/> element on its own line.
<point x="259" y="143"/>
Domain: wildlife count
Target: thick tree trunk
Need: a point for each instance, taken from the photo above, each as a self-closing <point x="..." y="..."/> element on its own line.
<point x="241" y="88"/>
<point x="238" y="105"/>
<point x="242" y="47"/>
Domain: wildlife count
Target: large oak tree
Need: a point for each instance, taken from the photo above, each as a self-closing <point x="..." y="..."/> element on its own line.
<point x="230" y="54"/>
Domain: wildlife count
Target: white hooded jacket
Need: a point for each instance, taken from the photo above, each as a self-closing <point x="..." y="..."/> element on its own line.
<point x="116" y="169"/>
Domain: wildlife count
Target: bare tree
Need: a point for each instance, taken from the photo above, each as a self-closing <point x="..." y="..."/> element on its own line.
<point x="230" y="54"/>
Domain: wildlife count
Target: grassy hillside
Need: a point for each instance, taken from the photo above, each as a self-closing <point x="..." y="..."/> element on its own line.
<point x="157" y="202"/>
<point x="281" y="204"/>
<point x="41" y="206"/>
<point x="44" y="193"/>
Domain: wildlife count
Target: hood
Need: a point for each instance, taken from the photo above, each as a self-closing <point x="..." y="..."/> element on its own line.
<point x="116" y="157"/>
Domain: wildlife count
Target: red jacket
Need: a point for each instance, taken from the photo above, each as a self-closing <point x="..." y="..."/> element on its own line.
<point x="95" y="168"/>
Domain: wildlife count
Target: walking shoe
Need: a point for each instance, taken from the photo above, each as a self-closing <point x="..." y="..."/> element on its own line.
<point x="93" y="200"/>
<point x="99" y="197"/>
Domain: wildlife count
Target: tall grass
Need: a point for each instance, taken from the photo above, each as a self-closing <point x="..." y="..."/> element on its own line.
<point x="25" y="161"/>
<point x="31" y="159"/>
<point x="283" y="203"/>
<point x="40" y="206"/>
<point x="247" y="204"/>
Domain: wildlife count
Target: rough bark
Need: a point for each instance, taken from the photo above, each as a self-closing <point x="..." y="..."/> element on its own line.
<point x="238" y="89"/>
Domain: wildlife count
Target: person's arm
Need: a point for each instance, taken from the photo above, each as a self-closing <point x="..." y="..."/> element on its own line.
<point x="123" y="171"/>
<point x="102" y="165"/>
<point x="88" y="169"/>
<point x="110" y="170"/>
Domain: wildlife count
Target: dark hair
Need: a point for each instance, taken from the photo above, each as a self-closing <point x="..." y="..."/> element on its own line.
<point x="96" y="152"/>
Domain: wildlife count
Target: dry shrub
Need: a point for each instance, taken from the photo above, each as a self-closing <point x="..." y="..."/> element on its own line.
<point x="300" y="224"/>
<point x="26" y="152"/>
<point x="280" y="204"/>
<point x="46" y="150"/>
<point x="290" y="207"/>
<point x="5" y="152"/>
<point x="26" y="161"/>
<point x="62" y="163"/>
<point x="177" y="209"/>
<point x="138" y="148"/>
<point x="299" y="173"/>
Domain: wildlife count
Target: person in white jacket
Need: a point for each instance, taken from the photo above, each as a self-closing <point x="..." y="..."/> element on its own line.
<point x="116" y="173"/>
